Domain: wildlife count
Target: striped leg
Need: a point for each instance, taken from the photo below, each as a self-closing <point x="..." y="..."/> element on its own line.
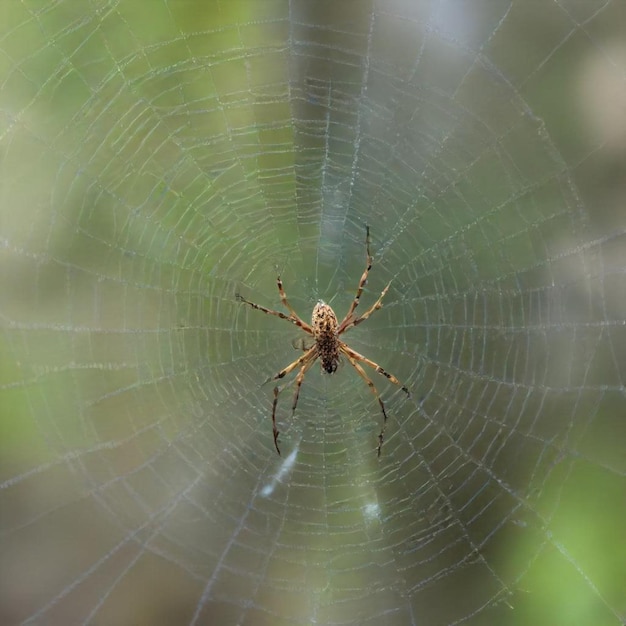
<point x="359" y="291"/>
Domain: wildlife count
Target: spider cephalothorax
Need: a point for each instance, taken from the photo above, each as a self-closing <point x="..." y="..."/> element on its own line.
<point x="324" y="322"/>
<point x="325" y="329"/>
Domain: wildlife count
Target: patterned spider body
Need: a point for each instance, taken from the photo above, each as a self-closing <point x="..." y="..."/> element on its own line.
<point x="325" y="324"/>
<point x="328" y="347"/>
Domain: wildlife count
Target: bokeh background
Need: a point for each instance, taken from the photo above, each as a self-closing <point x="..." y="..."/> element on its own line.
<point x="159" y="156"/>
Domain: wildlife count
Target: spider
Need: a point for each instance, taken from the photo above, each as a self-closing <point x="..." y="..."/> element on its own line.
<point x="328" y="348"/>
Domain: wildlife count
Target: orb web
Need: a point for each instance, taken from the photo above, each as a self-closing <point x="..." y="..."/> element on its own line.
<point x="158" y="160"/>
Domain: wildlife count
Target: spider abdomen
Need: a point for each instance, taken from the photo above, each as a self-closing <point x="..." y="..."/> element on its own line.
<point x="324" y="323"/>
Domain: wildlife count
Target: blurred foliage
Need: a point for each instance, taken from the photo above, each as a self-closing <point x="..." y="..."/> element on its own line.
<point x="158" y="156"/>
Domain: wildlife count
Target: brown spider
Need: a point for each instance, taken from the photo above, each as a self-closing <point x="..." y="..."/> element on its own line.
<point x="328" y="347"/>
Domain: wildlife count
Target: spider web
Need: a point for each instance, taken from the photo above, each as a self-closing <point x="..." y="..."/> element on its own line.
<point x="158" y="157"/>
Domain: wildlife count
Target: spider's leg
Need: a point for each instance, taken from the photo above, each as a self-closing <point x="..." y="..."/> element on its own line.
<point x="306" y="360"/>
<point x="370" y="384"/>
<point x="294" y="315"/>
<point x="349" y="323"/>
<point x="359" y="291"/>
<point x="359" y="357"/>
<point x="294" y="320"/>
<point x="292" y="366"/>
<point x="301" y="344"/>
<point x="299" y="379"/>
<point x="277" y="390"/>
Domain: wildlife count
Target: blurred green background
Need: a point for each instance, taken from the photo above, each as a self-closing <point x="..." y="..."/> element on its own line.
<point x="157" y="157"/>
